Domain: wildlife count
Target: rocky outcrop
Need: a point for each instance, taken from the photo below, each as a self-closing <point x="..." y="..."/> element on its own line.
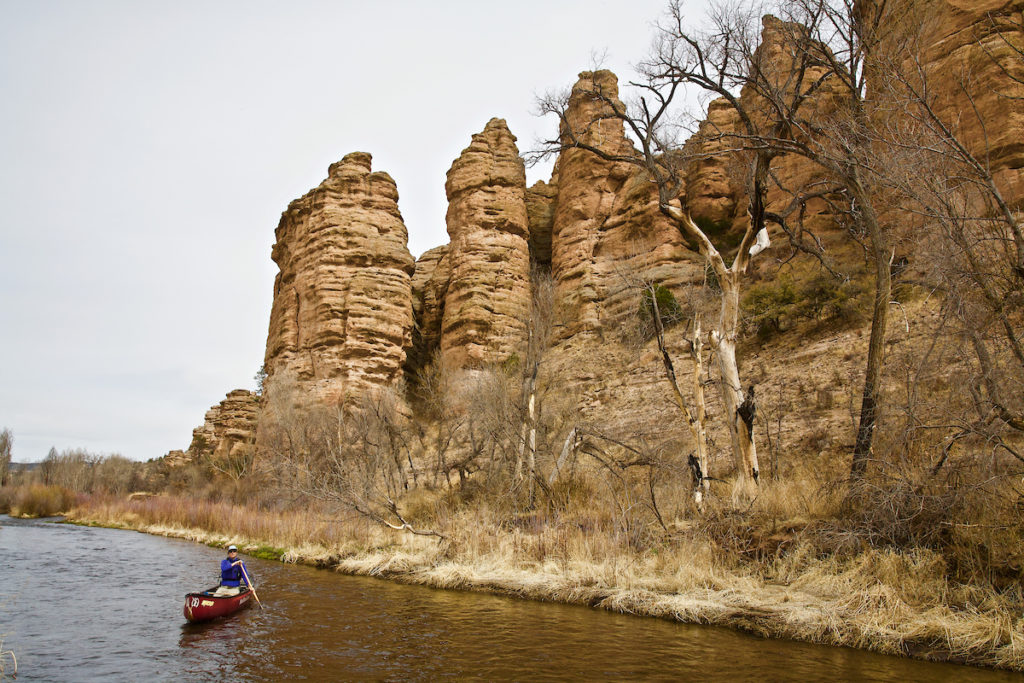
<point x="714" y="183"/>
<point x="341" y="319"/>
<point x="429" y="289"/>
<point x="716" y="192"/>
<point x="608" y="233"/>
<point x="228" y="430"/>
<point x="487" y="302"/>
<point x="587" y="188"/>
<point x="540" y="210"/>
<point x="976" y="74"/>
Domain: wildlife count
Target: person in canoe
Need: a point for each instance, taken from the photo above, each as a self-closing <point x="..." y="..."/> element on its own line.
<point x="232" y="574"/>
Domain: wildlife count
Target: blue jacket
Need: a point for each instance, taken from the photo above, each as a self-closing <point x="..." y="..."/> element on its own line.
<point x="230" y="576"/>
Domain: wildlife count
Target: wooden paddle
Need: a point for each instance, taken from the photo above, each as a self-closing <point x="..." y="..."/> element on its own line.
<point x="249" y="583"/>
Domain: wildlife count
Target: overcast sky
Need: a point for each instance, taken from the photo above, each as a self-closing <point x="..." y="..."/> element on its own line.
<point x="148" y="148"/>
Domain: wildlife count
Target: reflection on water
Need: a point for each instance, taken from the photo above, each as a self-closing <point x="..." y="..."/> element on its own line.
<point x="83" y="604"/>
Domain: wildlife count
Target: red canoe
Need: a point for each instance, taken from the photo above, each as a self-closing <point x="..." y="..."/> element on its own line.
<point x="205" y="606"/>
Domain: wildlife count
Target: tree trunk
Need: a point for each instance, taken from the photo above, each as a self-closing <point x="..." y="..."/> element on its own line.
<point x="698" y="429"/>
<point x="528" y="436"/>
<point x="876" y="345"/>
<point x="724" y="340"/>
<point x="694" y="422"/>
<point x="531" y="453"/>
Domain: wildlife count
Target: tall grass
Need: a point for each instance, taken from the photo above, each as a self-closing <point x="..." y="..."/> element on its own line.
<point x="220" y="522"/>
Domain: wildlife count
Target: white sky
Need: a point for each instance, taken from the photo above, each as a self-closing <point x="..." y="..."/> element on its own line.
<point x="148" y="148"/>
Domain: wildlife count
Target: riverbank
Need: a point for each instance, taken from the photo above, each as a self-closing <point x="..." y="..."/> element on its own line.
<point x="898" y="603"/>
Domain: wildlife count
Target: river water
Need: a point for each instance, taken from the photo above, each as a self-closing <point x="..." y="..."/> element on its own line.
<point x="88" y="604"/>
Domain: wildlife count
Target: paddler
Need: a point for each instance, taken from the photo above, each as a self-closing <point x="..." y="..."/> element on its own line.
<point x="232" y="574"/>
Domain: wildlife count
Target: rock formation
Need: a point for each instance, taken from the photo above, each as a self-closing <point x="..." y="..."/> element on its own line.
<point x="352" y="312"/>
<point x="716" y="192"/>
<point x="608" y="232"/>
<point x="540" y="209"/>
<point x="714" y="184"/>
<point x="487" y="302"/>
<point x="429" y="290"/>
<point x="973" y="61"/>
<point x="228" y="430"/>
<point x="341" y="320"/>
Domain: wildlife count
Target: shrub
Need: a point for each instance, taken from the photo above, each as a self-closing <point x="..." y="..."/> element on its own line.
<point x="668" y="308"/>
<point x="775" y="306"/>
<point x="41" y="500"/>
<point x="771" y="305"/>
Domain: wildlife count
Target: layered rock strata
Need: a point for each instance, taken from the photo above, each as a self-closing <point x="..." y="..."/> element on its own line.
<point x="540" y="209"/>
<point x="341" y="320"/>
<point x="714" y="181"/>
<point x="608" y="234"/>
<point x="487" y="302"/>
<point x="429" y="290"/>
<point x="973" y="61"/>
<point x="228" y="430"/>
<point x="716" y="192"/>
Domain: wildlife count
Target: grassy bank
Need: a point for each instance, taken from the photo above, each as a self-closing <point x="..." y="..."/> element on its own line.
<point x="780" y="585"/>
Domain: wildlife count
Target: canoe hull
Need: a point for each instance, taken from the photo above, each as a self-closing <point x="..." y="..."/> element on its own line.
<point x="205" y="606"/>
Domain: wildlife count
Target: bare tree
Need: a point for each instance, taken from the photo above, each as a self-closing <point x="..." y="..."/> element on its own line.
<point x="801" y="90"/>
<point x="541" y="325"/>
<point x="352" y="458"/>
<point x="658" y="310"/>
<point x="955" y="184"/>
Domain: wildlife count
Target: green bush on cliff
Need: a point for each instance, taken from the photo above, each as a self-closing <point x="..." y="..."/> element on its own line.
<point x="668" y="308"/>
<point x="773" y="307"/>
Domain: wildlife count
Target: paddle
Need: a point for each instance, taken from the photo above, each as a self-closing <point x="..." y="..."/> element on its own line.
<point x="247" y="581"/>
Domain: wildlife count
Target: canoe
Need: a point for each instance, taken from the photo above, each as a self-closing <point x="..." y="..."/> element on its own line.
<point x="205" y="606"/>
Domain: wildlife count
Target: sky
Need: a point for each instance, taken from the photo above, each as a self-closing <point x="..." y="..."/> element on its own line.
<point x="148" y="148"/>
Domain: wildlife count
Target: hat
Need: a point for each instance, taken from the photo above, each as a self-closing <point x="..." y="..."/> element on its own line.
<point x="231" y="547"/>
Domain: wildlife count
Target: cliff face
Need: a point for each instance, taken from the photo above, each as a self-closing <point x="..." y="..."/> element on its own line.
<point x="540" y="209"/>
<point x="714" y="184"/>
<point x="429" y="291"/>
<point x="487" y="302"/>
<point x="975" y="71"/>
<point x="607" y="230"/>
<point x="341" y="319"/>
<point x="716" y="192"/>
<point x="352" y="312"/>
<point x="228" y="430"/>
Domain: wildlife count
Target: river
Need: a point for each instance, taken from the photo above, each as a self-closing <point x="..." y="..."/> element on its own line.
<point x="89" y="604"/>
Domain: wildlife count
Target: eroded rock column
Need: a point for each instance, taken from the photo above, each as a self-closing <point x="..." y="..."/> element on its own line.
<point x="488" y="299"/>
<point x="341" y="320"/>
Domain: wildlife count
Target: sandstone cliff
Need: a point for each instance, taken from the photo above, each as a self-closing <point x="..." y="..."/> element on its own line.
<point x="430" y="289"/>
<point x="341" y="320"/>
<point x="608" y="234"/>
<point x="540" y="209"/>
<point x="973" y="61"/>
<point x="716" y="192"/>
<point x="352" y="311"/>
<point x="228" y="431"/>
<point x="487" y="302"/>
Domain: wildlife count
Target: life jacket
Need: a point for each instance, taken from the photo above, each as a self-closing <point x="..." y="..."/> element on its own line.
<point x="229" y="576"/>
